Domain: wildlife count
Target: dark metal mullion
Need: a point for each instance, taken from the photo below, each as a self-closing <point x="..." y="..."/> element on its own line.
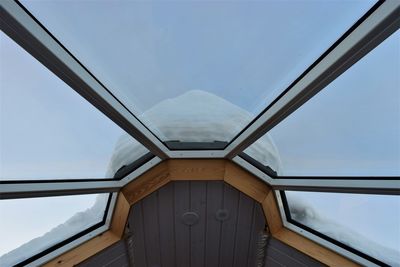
<point x="332" y="189"/>
<point x="340" y="184"/>
<point x="59" y="192"/>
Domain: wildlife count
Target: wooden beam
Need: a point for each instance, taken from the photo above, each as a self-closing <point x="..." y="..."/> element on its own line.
<point x="196" y="169"/>
<point x="245" y="182"/>
<point x="120" y="216"/>
<point x="271" y="213"/>
<point x="146" y="183"/>
<point x="84" y="251"/>
<point x="312" y="249"/>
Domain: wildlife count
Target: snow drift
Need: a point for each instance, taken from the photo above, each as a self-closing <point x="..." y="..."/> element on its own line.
<point x="78" y="222"/>
<point x="304" y="213"/>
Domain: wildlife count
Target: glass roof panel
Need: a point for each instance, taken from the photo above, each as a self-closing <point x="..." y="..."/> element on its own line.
<point x="350" y="128"/>
<point x="48" y="131"/>
<point x="367" y="223"/>
<point x="197" y="71"/>
<point x="29" y="226"/>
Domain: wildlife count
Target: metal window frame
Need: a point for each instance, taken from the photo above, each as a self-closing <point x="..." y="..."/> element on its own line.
<point x="365" y="35"/>
<point x="382" y="20"/>
<point x="385" y="185"/>
<point x="71" y="242"/>
<point x="25" y="30"/>
<point x="320" y="240"/>
<point x="373" y="28"/>
<point x="81" y="239"/>
<point x="29" y="189"/>
<point x="369" y="32"/>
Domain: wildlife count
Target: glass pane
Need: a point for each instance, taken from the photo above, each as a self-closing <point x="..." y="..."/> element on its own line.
<point x="48" y="131"/>
<point x="29" y="226"/>
<point x="350" y="128"/>
<point x="367" y="223"/>
<point x="197" y="71"/>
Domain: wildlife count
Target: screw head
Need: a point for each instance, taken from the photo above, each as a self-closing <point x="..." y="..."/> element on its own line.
<point x="222" y="214"/>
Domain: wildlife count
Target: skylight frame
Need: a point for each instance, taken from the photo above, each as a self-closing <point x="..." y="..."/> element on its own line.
<point x="25" y="189"/>
<point x="27" y="31"/>
<point x="78" y="238"/>
<point x="30" y="189"/>
<point x="370" y="185"/>
<point x="369" y="32"/>
<point x="365" y="35"/>
<point x="84" y="237"/>
<point x="320" y="238"/>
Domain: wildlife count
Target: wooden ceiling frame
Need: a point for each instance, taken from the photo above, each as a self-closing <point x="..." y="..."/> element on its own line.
<point x="201" y="170"/>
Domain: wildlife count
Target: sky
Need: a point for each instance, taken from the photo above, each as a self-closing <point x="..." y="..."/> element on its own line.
<point x="25" y="219"/>
<point x="246" y="53"/>
<point x="48" y="131"/>
<point x="352" y="127"/>
<point x="359" y="214"/>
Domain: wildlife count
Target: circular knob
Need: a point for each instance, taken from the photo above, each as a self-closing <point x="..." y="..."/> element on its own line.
<point x="190" y="218"/>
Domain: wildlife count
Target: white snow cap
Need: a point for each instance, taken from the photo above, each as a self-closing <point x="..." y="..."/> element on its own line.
<point x="195" y="116"/>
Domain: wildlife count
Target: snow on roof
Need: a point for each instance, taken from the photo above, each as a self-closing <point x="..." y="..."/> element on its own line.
<point x="195" y="116"/>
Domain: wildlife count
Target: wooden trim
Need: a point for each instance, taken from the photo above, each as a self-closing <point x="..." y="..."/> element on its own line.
<point x="245" y="182"/>
<point x="84" y="251"/>
<point x="312" y="249"/>
<point x="146" y="183"/>
<point x="120" y="216"/>
<point x="272" y="214"/>
<point x="297" y="241"/>
<point x="198" y="169"/>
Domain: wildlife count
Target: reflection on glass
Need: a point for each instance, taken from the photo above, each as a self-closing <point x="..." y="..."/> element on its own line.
<point x="350" y="128"/>
<point x="165" y="59"/>
<point x="367" y="223"/>
<point x="29" y="226"/>
<point x="48" y="131"/>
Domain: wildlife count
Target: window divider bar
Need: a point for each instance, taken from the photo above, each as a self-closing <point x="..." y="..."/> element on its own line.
<point x="176" y="154"/>
<point x="389" y="187"/>
<point x="29" y="190"/>
<point x="379" y="185"/>
<point x="374" y="29"/>
<point x="43" y="188"/>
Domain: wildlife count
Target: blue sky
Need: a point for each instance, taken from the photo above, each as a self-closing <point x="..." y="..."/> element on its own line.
<point x="25" y="219"/>
<point x="47" y="129"/>
<point x="359" y="214"/>
<point x="352" y="127"/>
<point x="245" y="52"/>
